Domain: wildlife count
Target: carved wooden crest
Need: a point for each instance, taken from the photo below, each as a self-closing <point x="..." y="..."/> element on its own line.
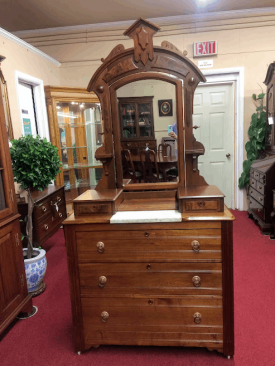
<point x="142" y="33"/>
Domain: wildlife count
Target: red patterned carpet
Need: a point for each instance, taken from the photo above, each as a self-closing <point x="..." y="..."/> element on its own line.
<point x="46" y="338"/>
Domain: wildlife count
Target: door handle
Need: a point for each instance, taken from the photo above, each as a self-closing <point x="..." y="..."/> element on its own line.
<point x="228" y="155"/>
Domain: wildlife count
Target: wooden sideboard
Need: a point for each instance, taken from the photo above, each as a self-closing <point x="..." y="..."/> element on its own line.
<point x="260" y="194"/>
<point x="48" y="214"/>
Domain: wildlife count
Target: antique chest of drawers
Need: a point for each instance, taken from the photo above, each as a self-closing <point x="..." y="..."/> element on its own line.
<point x="262" y="182"/>
<point x="166" y="284"/>
<point x="48" y="214"/>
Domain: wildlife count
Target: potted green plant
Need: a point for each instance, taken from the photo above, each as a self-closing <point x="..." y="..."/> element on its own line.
<point x="35" y="164"/>
<point x="256" y="132"/>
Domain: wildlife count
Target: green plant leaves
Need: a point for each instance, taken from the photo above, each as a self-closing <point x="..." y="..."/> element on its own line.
<point x="256" y="133"/>
<point x="35" y="162"/>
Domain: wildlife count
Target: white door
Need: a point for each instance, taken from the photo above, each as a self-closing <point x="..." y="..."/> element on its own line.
<point x="214" y="114"/>
<point x="27" y="109"/>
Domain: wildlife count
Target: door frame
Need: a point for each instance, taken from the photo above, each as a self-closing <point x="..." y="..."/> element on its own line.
<point x="235" y="76"/>
<point x="39" y="102"/>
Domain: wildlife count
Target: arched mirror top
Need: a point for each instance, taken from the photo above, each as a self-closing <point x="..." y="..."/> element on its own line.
<point x="125" y="125"/>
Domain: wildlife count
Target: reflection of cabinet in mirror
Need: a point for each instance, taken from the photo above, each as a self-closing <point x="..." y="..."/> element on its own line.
<point x="137" y="123"/>
<point x="76" y="129"/>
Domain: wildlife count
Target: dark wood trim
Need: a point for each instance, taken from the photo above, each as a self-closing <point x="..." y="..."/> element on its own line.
<point x="228" y="288"/>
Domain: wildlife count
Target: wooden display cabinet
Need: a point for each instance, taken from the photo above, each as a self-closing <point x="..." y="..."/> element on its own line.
<point x="76" y="129"/>
<point x="14" y="297"/>
<point x="270" y="110"/>
<point x="150" y="263"/>
<point x="137" y="123"/>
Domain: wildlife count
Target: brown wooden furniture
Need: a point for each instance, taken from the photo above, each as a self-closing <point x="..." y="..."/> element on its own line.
<point x="149" y="165"/>
<point x="48" y="214"/>
<point x="137" y="278"/>
<point x="260" y="197"/>
<point x="270" y="109"/>
<point x="137" y="123"/>
<point x="129" y="170"/>
<point x="76" y="129"/>
<point x="14" y="297"/>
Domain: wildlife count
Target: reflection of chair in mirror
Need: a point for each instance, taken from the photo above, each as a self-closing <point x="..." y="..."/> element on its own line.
<point x="129" y="170"/>
<point x="149" y="164"/>
<point x="165" y="149"/>
<point x="169" y="174"/>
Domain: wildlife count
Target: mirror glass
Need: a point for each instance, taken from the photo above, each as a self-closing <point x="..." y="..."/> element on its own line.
<point x="148" y="131"/>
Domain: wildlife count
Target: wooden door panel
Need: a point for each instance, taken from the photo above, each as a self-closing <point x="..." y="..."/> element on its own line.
<point x="11" y="269"/>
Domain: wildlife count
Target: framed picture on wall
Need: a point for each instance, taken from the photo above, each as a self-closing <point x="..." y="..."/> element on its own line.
<point x="165" y="107"/>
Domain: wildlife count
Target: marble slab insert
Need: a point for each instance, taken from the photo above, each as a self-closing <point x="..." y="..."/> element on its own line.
<point x="135" y="217"/>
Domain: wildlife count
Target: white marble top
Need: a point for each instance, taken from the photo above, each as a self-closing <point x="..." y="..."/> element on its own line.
<point x="135" y="217"/>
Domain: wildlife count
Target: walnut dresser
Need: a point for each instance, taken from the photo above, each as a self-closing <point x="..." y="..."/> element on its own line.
<point x="150" y="263"/>
<point x="165" y="283"/>
<point x="48" y="214"/>
<point x="260" y="193"/>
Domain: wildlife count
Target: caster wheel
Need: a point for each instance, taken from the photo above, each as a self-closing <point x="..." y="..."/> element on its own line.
<point x="228" y="357"/>
<point x="79" y="353"/>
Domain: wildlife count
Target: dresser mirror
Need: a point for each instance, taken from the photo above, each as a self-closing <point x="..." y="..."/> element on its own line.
<point x="147" y="112"/>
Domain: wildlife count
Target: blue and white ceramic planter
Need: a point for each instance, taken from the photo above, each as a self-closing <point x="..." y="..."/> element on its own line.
<point x="35" y="269"/>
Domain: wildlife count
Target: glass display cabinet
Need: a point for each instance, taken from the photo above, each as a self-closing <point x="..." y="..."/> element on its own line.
<point x="137" y="123"/>
<point x="76" y="129"/>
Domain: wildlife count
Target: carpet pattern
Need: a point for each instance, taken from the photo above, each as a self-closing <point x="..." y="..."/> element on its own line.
<point x="46" y="338"/>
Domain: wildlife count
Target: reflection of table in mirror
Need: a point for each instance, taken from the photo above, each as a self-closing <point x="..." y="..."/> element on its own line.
<point x="165" y="163"/>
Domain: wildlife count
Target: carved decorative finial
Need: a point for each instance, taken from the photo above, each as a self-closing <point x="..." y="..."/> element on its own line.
<point x="142" y="33"/>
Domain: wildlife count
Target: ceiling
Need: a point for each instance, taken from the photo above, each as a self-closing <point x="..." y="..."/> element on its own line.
<point x="33" y="14"/>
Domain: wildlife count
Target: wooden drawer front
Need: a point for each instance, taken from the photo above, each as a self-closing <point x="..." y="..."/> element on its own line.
<point x="86" y="208"/>
<point x="202" y="205"/>
<point x="257" y="208"/>
<point x="99" y="279"/>
<point x="253" y="183"/>
<point x="256" y="195"/>
<point x="152" y="246"/>
<point x="48" y="206"/>
<point x="153" y="320"/>
<point x="262" y="178"/>
<point x="45" y="227"/>
<point x="260" y="187"/>
<point x="256" y="175"/>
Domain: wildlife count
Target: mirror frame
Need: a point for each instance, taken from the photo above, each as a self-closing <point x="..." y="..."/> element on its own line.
<point x="146" y="61"/>
<point x="178" y="83"/>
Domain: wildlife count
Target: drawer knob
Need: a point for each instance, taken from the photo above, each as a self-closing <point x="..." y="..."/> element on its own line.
<point x="102" y="281"/>
<point x="149" y="266"/>
<point x="260" y="198"/>
<point x="197" y="318"/>
<point x="260" y="187"/>
<point x="150" y="302"/>
<point x="201" y="204"/>
<point x="100" y="247"/>
<point x="46" y="227"/>
<point x="196" y="246"/>
<point x="44" y="209"/>
<point x="196" y="281"/>
<point x="60" y="214"/>
<point x="252" y="182"/>
<point x="146" y="234"/>
<point x="104" y="316"/>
